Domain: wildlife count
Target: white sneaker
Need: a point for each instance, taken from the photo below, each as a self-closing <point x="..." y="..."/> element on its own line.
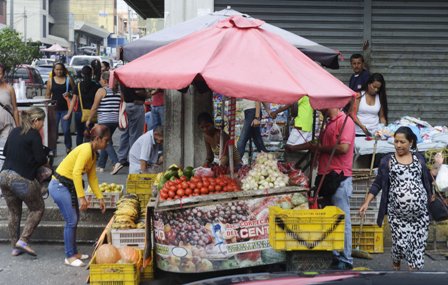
<point x="100" y="169"/>
<point x="116" y="168"/>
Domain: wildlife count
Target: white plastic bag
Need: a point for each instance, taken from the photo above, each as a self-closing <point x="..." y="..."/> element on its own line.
<point x="275" y="133"/>
<point x="442" y="178"/>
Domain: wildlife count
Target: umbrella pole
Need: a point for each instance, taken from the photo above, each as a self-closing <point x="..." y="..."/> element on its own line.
<point x="231" y="144"/>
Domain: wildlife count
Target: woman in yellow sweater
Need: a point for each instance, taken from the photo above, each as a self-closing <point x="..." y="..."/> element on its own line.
<point x="66" y="188"/>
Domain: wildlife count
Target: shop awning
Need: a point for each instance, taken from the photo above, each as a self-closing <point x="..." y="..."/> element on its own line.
<point x="147" y="8"/>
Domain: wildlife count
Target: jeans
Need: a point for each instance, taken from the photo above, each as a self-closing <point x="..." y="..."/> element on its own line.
<point x="250" y="132"/>
<point x="65" y="128"/>
<point x="62" y="198"/>
<point x="341" y="199"/>
<point x="80" y="128"/>
<point x="109" y="151"/>
<point x="148" y="120"/>
<point x="157" y="116"/>
<point x="136" y="123"/>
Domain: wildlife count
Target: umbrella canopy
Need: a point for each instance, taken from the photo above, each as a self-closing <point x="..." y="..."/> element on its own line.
<point x="135" y="49"/>
<point x="237" y="58"/>
<point x="54" y="48"/>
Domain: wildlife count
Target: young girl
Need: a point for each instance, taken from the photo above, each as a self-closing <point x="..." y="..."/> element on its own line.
<point x="66" y="188"/>
<point x="406" y="184"/>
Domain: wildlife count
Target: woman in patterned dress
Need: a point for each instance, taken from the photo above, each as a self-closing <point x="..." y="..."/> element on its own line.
<point x="406" y="184"/>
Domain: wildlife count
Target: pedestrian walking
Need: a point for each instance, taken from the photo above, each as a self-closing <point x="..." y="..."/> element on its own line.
<point x="135" y="110"/>
<point x="66" y="189"/>
<point x="9" y="115"/>
<point x="405" y="183"/>
<point x="60" y="89"/>
<point x="84" y="94"/>
<point x="24" y="154"/>
<point x="106" y="104"/>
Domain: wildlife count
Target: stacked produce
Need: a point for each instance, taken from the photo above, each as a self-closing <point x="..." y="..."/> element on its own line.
<point x="128" y="209"/>
<point x="107" y="188"/>
<point x="197" y="185"/>
<point x="172" y="173"/>
<point x="296" y="176"/>
<point x="264" y="174"/>
<point x="109" y="254"/>
<point x="298" y="201"/>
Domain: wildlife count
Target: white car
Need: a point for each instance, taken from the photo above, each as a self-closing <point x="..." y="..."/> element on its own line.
<point x="43" y="62"/>
<point x="78" y="61"/>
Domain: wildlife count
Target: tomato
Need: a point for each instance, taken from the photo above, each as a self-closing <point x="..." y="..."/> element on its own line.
<point x="163" y="195"/>
<point x="180" y="192"/>
<point x="196" y="191"/>
<point x="183" y="178"/>
<point x="218" y="188"/>
<point x="184" y="185"/>
<point x="171" y="194"/>
<point x="188" y="191"/>
<point x="199" y="184"/>
<point x="225" y="188"/>
<point x="172" y="188"/>
<point x="211" y="188"/>
<point x="194" y="179"/>
<point x="191" y="185"/>
<point x="206" y="183"/>
<point x="204" y="191"/>
<point x="177" y="197"/>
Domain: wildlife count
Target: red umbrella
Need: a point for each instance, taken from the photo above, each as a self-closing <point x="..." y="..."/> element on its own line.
<point x="237" y="58"/>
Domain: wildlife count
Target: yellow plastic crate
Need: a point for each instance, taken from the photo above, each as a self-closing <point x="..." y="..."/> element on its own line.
<point x="372" y="238"/>
<point x="140" y="183"/>
<point x="116" y="274"/>
<point x="320" y="229"/>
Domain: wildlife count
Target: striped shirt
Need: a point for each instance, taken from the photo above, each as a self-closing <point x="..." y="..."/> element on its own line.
<point x="109" y="107"/>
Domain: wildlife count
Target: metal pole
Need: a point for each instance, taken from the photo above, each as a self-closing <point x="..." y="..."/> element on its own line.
<point x="116" y="30"/>
<point x="11" y="14"/>
<point x="129" y="24"/>
<point x="24" y="25"/>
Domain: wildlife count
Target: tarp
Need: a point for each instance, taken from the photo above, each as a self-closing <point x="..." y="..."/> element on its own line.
<point x="54" y="48"/>
<point x="325" y="56"/>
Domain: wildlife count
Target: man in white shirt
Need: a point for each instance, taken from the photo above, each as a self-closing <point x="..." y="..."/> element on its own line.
<point x="144" y="153"/>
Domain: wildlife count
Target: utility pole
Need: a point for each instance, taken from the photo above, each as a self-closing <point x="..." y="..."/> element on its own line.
<point x="129" y="24"/>
<point x="11" y="14"/>
<point x="24" y="24"/>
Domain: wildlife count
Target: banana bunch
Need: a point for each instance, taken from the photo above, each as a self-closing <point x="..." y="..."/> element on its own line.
<point x="141" y="223"/>
<point x="128" y="208"/>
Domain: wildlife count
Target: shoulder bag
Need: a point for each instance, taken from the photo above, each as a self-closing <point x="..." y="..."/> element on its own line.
<point x="85" y="112"/>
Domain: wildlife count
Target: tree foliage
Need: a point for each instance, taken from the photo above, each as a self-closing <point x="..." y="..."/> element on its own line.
<point x="14" y="52"/>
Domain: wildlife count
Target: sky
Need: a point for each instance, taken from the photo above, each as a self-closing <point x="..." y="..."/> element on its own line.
<point x="122" y="5"/>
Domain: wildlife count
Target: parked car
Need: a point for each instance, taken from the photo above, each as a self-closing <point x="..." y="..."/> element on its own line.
<point x="45" y="71"/>
<point x="78" y="61"/>
<point x="43" y="62"/>
<point x="33" y="80"/>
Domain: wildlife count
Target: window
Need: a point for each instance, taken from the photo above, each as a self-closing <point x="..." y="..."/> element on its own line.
<point x="44" y="26"/>
<point x="44" y="4"/>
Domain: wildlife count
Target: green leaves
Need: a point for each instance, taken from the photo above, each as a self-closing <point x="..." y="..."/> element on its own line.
<point x="14" y="52"/>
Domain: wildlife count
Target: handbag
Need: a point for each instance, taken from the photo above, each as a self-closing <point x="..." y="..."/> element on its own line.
<point x="331" y="183"/>
<point x="122" y="116"/>
<point x="438" y="208"/>
<point x="85" y="113"/>
<point x="68" y="98"/>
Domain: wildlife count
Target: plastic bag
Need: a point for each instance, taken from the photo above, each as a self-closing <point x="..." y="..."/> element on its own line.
<point x="275" y="133"/>
<point x="203" y="171"/>
<point x="442" y="178"/>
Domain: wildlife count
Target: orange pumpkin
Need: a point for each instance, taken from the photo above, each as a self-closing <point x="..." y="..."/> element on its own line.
<point x="107" y="254"/>
<point x="129" y="255"/>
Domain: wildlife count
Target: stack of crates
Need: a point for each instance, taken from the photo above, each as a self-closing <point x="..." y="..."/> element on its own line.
<point x="114" y="273"/>
<point x="141" y="185"/>
<point x="371" y="235"/>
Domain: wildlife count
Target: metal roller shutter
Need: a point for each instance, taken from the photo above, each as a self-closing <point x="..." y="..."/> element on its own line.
<point x="410" y="48"/>
<point x="335" y="24"/>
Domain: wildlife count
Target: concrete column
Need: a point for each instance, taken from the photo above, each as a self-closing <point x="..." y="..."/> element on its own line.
<point x="173" y="130"/>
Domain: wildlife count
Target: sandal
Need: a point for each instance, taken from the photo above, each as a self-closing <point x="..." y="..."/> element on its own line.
<point x="396" y="266"/>
<point x="16" y="252"/>
<point x="82" y="256"/>
<point x="23" y="246"/>
<point x="75" y="263"/>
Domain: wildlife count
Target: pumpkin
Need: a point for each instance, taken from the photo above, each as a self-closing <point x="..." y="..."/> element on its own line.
<point x="107" y="254"/>
<point x="129" y="255"/>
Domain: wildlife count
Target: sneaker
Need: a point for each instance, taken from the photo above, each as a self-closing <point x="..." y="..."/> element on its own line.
<point x="341" y="265"/>
<point x="117" y="168"/>
<point x="100" y="169"/>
